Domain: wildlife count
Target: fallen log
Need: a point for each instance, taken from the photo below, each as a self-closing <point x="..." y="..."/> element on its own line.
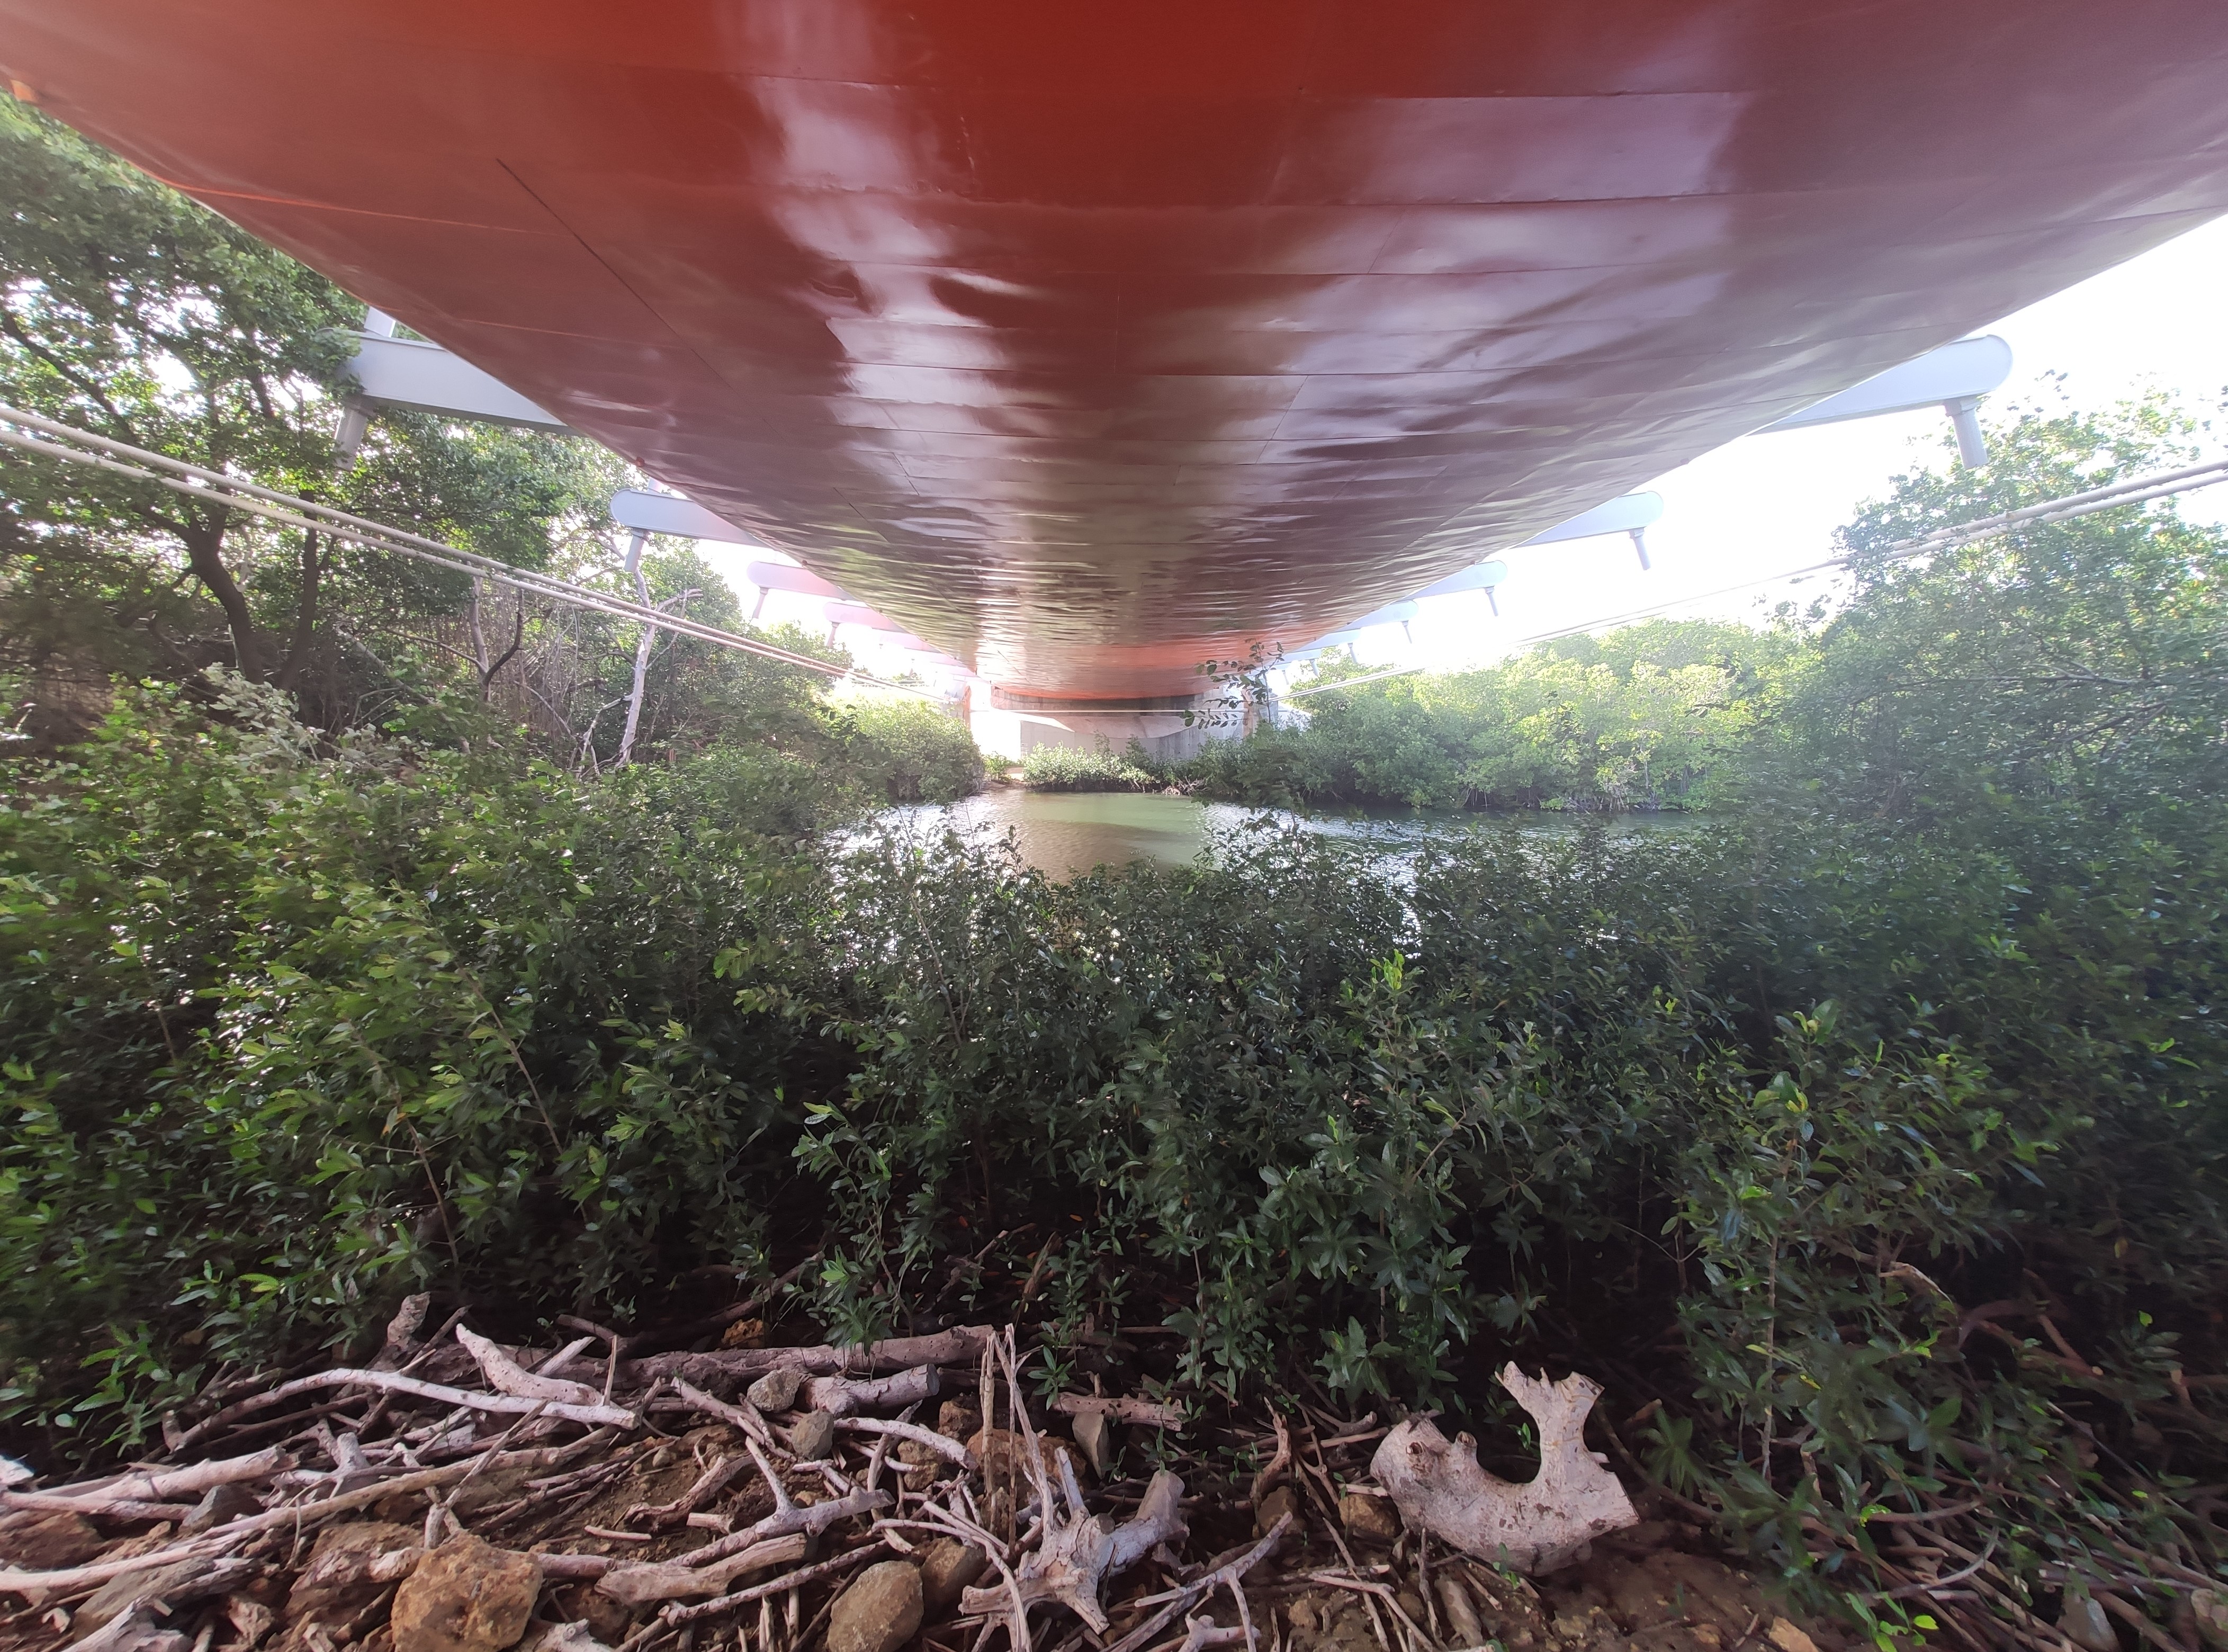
<point x="961" y="1344"/>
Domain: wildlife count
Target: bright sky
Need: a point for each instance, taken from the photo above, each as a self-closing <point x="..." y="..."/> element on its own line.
<point x="1767" y="504"/>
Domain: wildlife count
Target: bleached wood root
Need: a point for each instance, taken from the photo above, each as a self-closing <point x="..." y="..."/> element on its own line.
<point x="1438" y="1485"/>
<point x="1080" y="1551"/>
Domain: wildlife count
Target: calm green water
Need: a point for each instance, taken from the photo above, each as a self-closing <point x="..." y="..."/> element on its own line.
<point x="1066" y="832"/>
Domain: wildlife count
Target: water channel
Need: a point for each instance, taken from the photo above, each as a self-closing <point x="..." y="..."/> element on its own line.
<point x="1062" y="833"/>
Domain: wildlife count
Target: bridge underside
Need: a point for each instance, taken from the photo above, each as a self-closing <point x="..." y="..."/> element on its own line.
<point x="1095" y="343"/>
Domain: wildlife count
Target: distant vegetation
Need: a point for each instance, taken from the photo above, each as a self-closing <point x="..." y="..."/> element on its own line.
<point x="1060" y="768"/>
<point x="1653" y="717"/>
<point x="1869" y="1140"/>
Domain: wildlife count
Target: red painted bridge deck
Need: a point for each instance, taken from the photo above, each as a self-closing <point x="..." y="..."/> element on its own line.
<point x="1093" y="342"/>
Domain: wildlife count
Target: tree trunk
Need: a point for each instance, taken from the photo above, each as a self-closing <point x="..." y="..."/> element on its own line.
<point x="517" y="641"/>
<point x="204" y="542"/>
<point x="305" y="614"/>
<point x="641" y="652"/>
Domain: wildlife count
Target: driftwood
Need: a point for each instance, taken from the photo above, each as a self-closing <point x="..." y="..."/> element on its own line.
<point x="95" y="1507"/>
<point x="1228" y="1576"/>
<point x="639" y="1583"/>
<point x="39" y="1586"/>
<point x="788" y="1516"/>
<point x="707" y="1485"/>
<point x="1537" y="1526"/>
<point x="396" y="1383"/>
<point x="1145" y="1413"/>
<point x="943" y="1444"/>
<point x="780" y="1585"/>
<point x="745" y="1416"/>
<point x="961" y="1344"/>
<point x="841" y="1396"/>
<point x="506" y="1376"/>
<point x="169" y="1485"/>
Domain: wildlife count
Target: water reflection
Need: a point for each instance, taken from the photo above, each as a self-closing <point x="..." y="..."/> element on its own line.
<point x="1062" y="833"/>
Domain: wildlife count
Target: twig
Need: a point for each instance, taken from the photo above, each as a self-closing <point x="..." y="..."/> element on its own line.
<point x="1910" y="1590"/>
<point x="1179" y="1599"/>
<point x="1265" y="1482"/>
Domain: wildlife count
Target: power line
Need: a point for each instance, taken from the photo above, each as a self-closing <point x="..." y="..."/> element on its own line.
<point x="77" y="446"/>
<point x="2136" y="490"/>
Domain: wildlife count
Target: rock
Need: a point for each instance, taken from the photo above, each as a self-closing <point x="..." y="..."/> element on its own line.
<point x="1784" y="1635"/>
<point x="220" y="1504"/>
<point x="813" y="1438"/>
<point x="879" y="1611"/>
<point x="46" y="1542"/>
<point x="467" y="1595"/>
<point x="337" y="1583"/>
<point x="1373" y="1519"/>
<point x="2086" y="1625"/>
<point x="250" y="1619"/>
<point x="947" y="1566"/>
<point x="1273" y="1507"/>
<point x="2210" y="1609"/>
<point x="608" y="1621"/>
<point x="777" y="1390"/>
<point x="1096" y="1435"/>
<point x="913" y="1457"/>
<point x="1462" y="1611"/>
<point x="1004" y="1457"/>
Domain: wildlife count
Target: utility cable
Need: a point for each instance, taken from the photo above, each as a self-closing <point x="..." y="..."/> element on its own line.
<point x="57" y="441"/>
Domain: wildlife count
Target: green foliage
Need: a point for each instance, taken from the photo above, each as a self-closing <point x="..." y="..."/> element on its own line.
<point x="1067" y="768"/>
<point x="907" y="751"/>
<point x="132" y="312"/>
<point x="1653" y="717"/>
